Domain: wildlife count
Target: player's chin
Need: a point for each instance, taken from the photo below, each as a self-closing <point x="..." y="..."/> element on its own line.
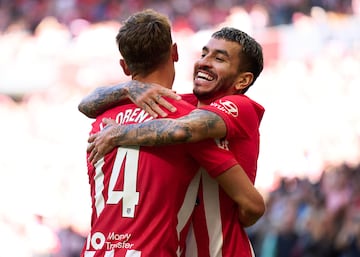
<point x="203" y="85"/>
<point x="201" y="93"/>
<point x="199" y="90"/>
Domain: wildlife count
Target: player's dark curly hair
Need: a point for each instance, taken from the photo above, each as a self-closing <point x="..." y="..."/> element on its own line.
<point x="251" y="55"/>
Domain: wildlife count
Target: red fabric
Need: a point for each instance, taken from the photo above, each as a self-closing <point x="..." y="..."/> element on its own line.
<point x="161" y="178"/>
<point x="215" y="220"/>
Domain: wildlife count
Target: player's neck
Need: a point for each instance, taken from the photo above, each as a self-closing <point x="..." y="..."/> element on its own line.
<point x="164" y="75"/>
<point x="161" y="76"/>
<point x="204" y="102"/>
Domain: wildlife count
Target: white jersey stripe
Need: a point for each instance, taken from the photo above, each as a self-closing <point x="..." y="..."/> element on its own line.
<point x="89" y="253"/>
<point x="188" y="205"/>
<point x="251" y="249"/>
<point x="133" y="253"/>
<point x="99" y="187"/>
<point x="110" y="253"/>
<point x="191" y="246"/>
<point x="213" y="215"/>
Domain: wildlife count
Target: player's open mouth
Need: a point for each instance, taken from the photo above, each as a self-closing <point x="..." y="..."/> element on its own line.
<point x="204" y="76"/>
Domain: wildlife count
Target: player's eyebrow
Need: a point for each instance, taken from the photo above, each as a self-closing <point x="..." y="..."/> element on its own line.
<point x="217" y="51"/>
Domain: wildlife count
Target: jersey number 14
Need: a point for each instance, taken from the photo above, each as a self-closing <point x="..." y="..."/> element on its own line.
<point x="129" y="195"/>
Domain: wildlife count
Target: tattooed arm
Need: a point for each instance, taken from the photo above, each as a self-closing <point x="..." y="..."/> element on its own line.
<point x="145" y="95"/>
<point x="101" y="99"/>
<point x="196" y="126"/>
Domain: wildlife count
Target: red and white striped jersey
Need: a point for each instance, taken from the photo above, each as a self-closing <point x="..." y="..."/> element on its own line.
<point x="142" y="197"/>
<point x="216" y="231"/>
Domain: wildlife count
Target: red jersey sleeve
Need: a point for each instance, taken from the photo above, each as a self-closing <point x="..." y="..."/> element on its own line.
<point x="241" y="115"/>
<point x="211" y="156"/>
<point x="190" y="98"/>
<point x="214" y="159"/>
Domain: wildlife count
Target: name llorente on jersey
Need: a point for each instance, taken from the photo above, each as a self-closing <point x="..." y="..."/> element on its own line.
<point x="136" y="115"/>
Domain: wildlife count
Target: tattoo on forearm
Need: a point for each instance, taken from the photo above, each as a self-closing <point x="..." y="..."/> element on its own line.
<point x="107" y="97"/>
<point x="155" y="132"/>
<point x="100" y="100"/>
<point x="196" y="126"/>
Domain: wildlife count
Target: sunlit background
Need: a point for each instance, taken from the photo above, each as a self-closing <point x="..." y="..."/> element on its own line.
<point x="53" y="53"/>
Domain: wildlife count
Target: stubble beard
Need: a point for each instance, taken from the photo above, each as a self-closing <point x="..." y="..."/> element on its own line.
<point x="214" y="93"/>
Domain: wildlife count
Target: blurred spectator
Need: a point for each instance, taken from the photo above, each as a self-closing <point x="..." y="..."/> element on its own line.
<point x="71" y="242"/>
<point x="299" y="221"/>
<point x="348" y="240"/>
<point x="200" y="14"/>
<point x="42" y="238"/>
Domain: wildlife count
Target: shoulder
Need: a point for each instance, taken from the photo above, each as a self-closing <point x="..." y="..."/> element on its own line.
<point x="190" y="98"/>
<point x="235" y="99"/>
<point x="239" y="112"/>
<point x="182" y="106"/>
<point x="233" y="105"/>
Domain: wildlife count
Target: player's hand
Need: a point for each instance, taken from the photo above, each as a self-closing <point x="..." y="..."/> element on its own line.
<point x="102" y="142"/>
<point x="150" y="97"/>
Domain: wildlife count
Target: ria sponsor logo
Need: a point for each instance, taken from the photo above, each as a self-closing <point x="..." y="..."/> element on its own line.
<point x="227" y="106"/>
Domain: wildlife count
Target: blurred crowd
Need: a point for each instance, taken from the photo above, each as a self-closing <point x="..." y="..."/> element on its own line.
<point x="310" y="146"/>
<point x="193" y="14"/>
<point x="312" y="219"/>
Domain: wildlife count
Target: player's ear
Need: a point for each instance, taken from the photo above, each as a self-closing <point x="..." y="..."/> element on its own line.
<point x="174" y="52"/>
<point x="125" y="67"/>
<point x="244" y="80"/>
